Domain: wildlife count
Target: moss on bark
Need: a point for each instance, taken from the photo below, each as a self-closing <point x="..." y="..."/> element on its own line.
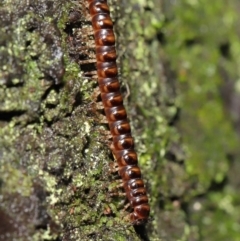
<point x="55" y="182"/>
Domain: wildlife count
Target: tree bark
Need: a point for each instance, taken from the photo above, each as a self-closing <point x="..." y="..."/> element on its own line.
<point x="55" y="178"/>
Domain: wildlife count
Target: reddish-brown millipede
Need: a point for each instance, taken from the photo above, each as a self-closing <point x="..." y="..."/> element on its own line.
<point x="122" y="142"/>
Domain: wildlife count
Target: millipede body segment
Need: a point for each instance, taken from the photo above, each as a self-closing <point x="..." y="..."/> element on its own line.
<point x="122" y="142"/>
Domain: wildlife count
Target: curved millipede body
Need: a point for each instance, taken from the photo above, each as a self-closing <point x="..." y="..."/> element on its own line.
<point x="122" y="142"/>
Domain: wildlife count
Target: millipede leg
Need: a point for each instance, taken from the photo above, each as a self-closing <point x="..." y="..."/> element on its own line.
<point x="128" y="92"/>
<point x="96" y="94"/>
<point x="90" y="75"/>
<point x="113" y="167"/>
<point x="98" y="105"/>
<point x="106" y="137"/>
<point x="118" y="194"/>
<point x="127" y="206"/>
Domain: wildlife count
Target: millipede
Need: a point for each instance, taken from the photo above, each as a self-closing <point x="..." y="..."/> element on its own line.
<point x="122" y="144"/>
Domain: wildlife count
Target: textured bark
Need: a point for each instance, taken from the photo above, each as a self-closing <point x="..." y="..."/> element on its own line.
<point x="55" y="182"/>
